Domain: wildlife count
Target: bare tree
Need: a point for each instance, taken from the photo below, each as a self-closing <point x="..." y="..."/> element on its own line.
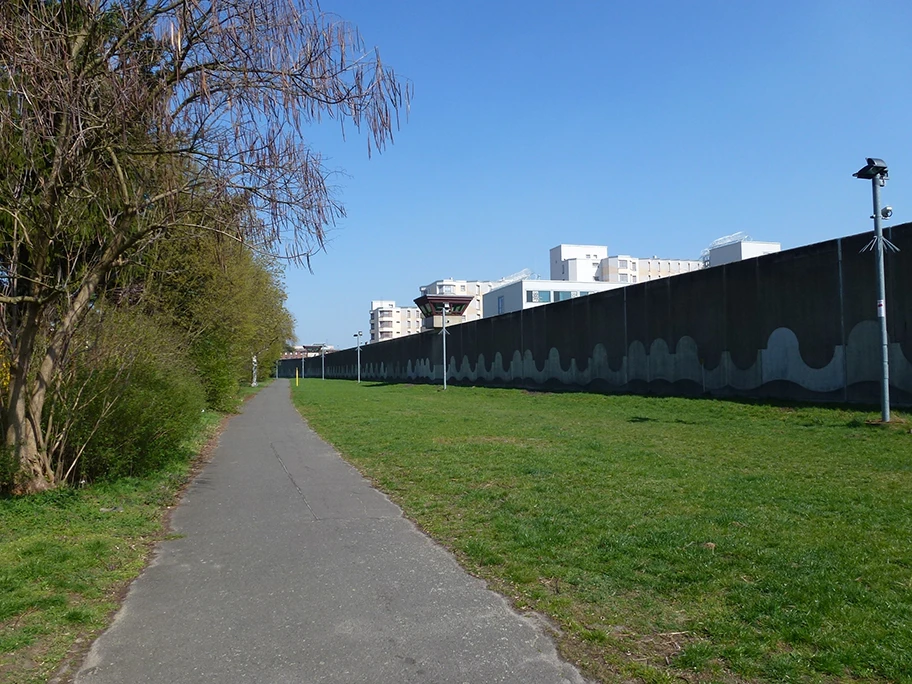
<point x="121" y="119"/>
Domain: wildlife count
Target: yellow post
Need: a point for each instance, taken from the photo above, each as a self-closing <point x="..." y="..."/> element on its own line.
<point x="296" y="377"/>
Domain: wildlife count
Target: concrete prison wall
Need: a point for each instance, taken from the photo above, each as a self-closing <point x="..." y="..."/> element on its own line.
<point x="799" y="325"/>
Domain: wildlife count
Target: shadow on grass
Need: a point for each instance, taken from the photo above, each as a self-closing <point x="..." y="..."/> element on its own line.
<point x="787" y="405"/>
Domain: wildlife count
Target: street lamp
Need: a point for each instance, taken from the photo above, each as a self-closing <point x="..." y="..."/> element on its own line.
<point x="876" y="171"/>
<point x="323" y="362"/>
<point x="358" y="335"/>
<point x="443" y="334"/>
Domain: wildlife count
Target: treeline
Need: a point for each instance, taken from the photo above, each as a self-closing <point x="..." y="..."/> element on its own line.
<point x="173" y="335"/>
<point x="155" y="165"/>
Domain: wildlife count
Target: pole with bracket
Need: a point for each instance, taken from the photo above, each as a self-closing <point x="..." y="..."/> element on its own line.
<point x="881" y="302"/>
<point x="444" y="333"/>
<point x="876" y="171"/>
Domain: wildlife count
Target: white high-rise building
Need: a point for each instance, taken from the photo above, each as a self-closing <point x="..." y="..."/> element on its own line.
<point x="388" y="320"/>
<point x="587" y="263"/>
<point x="627" y="269"/>
<point x="577" y="263"/>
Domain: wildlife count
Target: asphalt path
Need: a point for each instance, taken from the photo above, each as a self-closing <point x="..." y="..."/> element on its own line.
<point x="289" y="567"/>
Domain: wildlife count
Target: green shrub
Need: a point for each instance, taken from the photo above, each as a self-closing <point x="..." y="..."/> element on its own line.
<point x="130" y="398"/>
<point x="155" y="413"/>
<point x="219" y="370"/>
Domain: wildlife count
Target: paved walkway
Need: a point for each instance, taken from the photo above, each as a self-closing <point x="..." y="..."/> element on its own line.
<point x="291" y="568"/>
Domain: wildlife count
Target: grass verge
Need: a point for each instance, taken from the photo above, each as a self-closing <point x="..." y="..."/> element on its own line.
<point x="668" y="538"/>
<point x="67" y="556"/>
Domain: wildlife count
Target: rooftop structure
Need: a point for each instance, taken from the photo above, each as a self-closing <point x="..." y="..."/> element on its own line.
<point x="577" y="263"/>
<point x="740" y="250"/>
<point x="525" y="294"/>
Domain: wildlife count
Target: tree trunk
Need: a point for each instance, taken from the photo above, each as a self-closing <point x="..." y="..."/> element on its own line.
<point x="28" y="395"/>
<point x="22" y="424"/>
<point x="35" y="474"/>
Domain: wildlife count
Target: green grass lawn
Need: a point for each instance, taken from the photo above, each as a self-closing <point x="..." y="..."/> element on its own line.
<point x="668" y="538"/>
<point x="67" y="555"/>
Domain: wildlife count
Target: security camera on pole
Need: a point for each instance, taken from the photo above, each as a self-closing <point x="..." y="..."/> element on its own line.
<point x="876" y="171"/>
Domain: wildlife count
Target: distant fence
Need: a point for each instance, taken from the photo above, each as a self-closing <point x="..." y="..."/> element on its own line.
<point x="799" y="325"/>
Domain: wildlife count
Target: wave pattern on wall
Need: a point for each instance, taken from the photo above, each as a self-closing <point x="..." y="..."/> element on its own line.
<point x="798" y="324"/>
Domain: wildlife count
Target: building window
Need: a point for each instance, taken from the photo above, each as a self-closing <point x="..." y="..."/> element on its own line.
<point x="500" y="304"/>
<point x="449" y="289"/>
<point x="622" y="263"/>
<point x="622" y="278"/>
<point x="538" y="296"/>
<point x="462" y="288"/>
<point x="560" y="296"/>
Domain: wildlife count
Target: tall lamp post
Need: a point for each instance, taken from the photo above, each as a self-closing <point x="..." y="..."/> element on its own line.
<point x="443" y="334"/>
<point x="876" y="171"/>
<point x="358" y="335"/>
<point x="323" y="362"/>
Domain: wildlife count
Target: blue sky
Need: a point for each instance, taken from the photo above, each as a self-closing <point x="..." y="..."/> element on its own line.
<point x="652" y="127"/>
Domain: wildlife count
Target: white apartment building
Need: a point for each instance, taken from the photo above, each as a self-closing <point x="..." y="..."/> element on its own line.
<point x="577" y="263"/>
<point x="525" y="294"/>
<point x="738" y="251"/>
<point x="461" y="288"/>
<point x="388" y="320"/>
<point x="586" y="263"/>
<point x="627" y="269"/>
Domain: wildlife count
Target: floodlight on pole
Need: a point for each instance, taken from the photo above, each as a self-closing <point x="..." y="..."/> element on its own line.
<point x="358" y="335"/>
<point x="876" y="171"/>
